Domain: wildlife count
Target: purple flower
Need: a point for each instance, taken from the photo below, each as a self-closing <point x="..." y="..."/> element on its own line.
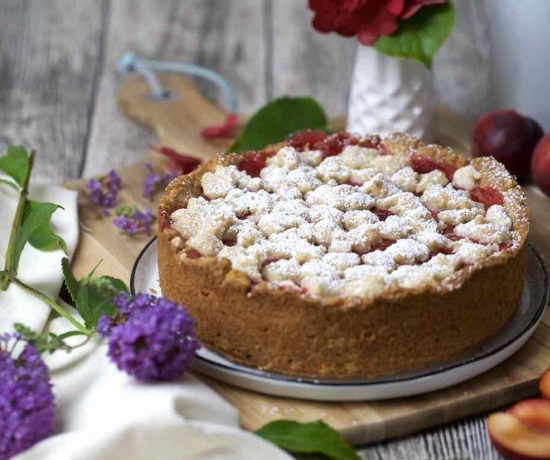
<point x="131" y="220"/>
<point x="104" y="324"/>
<point x="104" y="191"/>
<point x="151" y="338"/>
<point x="155" y="182"/>
<point x="26" y="398"/>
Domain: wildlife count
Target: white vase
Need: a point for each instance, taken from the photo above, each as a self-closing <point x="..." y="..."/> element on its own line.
<point x="389" y="95"/>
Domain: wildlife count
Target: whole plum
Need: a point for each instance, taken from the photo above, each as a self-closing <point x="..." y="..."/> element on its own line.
<point x="509" y="137"/>
<point x="540" y="167"/>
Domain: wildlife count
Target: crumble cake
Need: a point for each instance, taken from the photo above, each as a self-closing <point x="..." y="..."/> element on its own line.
<point x="342" y="256"/>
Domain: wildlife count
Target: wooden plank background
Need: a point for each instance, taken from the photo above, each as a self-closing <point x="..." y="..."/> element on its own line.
<point x="58" y="83"/>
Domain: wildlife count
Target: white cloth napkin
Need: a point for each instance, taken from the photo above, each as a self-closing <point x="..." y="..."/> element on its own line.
<point x="105" y="414"/>
<point x="39" y="269"/>
<point x="101" y="413"/>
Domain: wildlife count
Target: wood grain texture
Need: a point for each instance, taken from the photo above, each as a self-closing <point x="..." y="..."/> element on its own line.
<point x="467" y="440"/>
<point x="233" y="42"/>
<point x="215" y="33"/>
<point x="305" y="62"/>
<point x="175" y="125"/>
<point x="49" y="63"/>
<point x="57" y="93"/>
<point x="461" y="67"/>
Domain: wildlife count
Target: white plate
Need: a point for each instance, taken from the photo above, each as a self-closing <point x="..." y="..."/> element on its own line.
<point x="507" y="342"/>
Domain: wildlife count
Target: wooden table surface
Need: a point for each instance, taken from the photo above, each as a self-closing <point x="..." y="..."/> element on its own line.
<point x="58" y="82"/>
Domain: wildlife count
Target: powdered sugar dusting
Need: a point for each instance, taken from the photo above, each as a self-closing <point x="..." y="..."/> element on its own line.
<point x="353" y="224"/>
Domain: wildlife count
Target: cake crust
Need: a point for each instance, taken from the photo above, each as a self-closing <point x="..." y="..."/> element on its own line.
<point x="395" y="331"/>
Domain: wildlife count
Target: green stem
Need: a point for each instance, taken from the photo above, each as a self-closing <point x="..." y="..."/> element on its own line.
<point x="53" y="305"/>
<point x="9" y="267"/>
<point x="88" y="338"/>
<point x="73" y="364"/>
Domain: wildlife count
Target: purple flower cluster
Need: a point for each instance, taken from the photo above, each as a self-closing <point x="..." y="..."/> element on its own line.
<point x="155" y="182"/>
<point x="151" y="338"/>
<point x="130" y="220"/>
<point x="26" y="398"/>
<point x="104" y="191"/>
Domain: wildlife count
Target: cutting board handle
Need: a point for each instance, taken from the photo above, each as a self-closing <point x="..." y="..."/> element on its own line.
<point x="177" y="120"/>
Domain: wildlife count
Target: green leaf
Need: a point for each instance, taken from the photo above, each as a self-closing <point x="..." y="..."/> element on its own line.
<point x="16" y="163"/>
<point x="115" y="283"/>
<point x="36" y="229"/>
<point x="93" y="297"/>
<point x="421" y="36"/>
<point x="70" y="280"/>
<point x="276" y="120"/>
<point x="311" y="438"/>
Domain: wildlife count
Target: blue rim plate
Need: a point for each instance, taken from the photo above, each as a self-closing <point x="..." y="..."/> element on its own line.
<point x="144" y="278"/>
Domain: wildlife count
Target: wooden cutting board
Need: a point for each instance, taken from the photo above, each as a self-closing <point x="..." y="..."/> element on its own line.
<point x="177" y="123"/>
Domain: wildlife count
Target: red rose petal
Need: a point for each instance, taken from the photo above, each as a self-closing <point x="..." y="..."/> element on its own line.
<point x="185" y="163"/>
<point x="395" y="7"/>
<point x="413" y="7"/>
<point x="227" y="129"/>
<point x="368" y="19"/>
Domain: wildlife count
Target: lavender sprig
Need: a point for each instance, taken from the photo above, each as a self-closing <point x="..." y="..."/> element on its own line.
<point x="151" y="338"/>
<point x="131" y="220"/>
<point x="155" y="182"/>
<point x="26" y="397"/>
<point x="104" y="191"/>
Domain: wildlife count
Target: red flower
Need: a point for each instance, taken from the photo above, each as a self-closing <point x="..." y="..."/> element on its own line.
<point x="368" y="19"/>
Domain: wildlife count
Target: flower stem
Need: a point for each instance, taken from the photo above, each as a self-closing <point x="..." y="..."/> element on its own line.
<point x="53" y="305"/>
<point x="10" y="268"/>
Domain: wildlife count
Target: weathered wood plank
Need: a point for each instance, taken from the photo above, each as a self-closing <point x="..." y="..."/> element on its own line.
<point x="464" y="440"/>
<point x="232" y="42"/>
<point x="306" y="62"/>
<point x="461" y="67"/>
<point x="50" y="55"/>
<point x="218" y="34"/>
